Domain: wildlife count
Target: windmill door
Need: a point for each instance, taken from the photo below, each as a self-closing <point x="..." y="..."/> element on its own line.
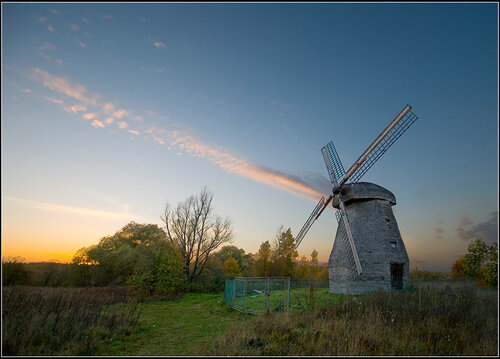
<point x="397" y="275"/>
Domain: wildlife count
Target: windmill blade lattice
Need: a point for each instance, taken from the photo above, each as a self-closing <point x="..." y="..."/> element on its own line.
<point x="346" y="235"/>
<point x="333" y="164"/>
<point x="315" y="213"/>
<point x="384" y="145"/>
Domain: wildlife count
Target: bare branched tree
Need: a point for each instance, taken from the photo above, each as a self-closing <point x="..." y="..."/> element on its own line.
<point x="196" y="231"/>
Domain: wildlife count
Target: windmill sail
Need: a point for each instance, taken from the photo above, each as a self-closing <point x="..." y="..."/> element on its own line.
<point x="333" y="163"/>
<point x="315" y="213"/>
<point x="346" y="234"/>
<point x="381" y="144"/>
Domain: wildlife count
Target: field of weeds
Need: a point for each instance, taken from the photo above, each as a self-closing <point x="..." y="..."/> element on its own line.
<point x="423" y="320"/>
<point x="63" y="321"/>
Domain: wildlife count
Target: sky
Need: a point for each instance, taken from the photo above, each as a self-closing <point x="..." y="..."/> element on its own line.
<point x="112" y="110"/>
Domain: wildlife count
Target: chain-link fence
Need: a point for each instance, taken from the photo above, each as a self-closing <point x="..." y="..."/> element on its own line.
<point x="258" y="294"/>
<point x="278" y="294"/>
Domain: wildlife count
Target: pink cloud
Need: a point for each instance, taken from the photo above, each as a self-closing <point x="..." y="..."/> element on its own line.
<point x="42" y="18"/>
<point x="138" y="118"/>
<point x="50" y="28"/>
<point x="108" y="107"/>
<point x="122" y="125"/>
<point x="134" y="132"/>
<point x="64" y="86"/>
<point x="85" y="20"/>
<point x="54" y="100"/>
<point x="74" y="27"/>
<point x="120" y="113"/>
<point x="89" y="116"/>
<point x="75" y="108"/>
<point x="109" y="120"/>
<point x="97" y="123"/>
<point x="25" y="90"/>
<point x="159" y="44"/>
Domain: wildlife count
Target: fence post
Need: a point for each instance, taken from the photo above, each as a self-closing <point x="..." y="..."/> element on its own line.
<point x="244" y="293"/>
<point x="268" y="292"/>
<point x="288" y="295"/>
<point x="234" y="293"/>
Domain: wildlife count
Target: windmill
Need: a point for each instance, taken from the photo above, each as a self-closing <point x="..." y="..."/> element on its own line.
<point x="368" y="251"/>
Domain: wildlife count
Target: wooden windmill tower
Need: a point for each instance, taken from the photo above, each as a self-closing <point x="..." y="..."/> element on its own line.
<point x="368" y="253"/>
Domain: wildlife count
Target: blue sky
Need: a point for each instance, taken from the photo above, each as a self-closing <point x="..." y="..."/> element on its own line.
<point x="111" y="110"/>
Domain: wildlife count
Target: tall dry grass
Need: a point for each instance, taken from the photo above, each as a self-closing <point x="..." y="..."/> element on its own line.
<point x="421" y="321"/>
<point x="63" y="321"/>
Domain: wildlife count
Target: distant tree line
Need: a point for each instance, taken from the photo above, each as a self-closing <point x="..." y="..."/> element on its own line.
<point x="191" y="253"/>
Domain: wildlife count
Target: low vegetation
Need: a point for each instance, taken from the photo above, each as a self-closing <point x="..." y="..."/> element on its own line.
<point x="415" y="322"/>
<point x="63" y="321"/>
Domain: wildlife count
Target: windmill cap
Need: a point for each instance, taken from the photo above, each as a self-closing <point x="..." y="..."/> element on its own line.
<point x="364" y="191"/>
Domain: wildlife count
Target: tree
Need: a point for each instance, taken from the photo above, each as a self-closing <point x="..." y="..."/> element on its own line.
<point x="480" y="263"/>
<point x="195" y="231"/>
<point x="263" y="261"/>
<point x="137" y="250"/>
<point x="284" y="254"/>
<point x="314" y="269"/>
<point x="245" y="261"/>
<point x="231" y="267"/>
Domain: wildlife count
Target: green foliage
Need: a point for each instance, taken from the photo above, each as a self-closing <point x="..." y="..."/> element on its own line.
<point x="283" y="254"/>
<point x="263" y="262"/>
<point x="231" y="267"/>
<point x="137" y="255"/>
<point x="14" y="271"/>
<point x="245" y="261"/>
<point x="418" y="274"/>
<point x="480" y="263"/>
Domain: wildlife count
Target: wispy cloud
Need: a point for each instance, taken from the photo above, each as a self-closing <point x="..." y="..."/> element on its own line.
<point x="108" y="107"/>
<point x="85" y="20"/>
<point x="233" y="164"/>
<point x="159" y="44"/>
<point x="487" y="230"/>
<point x="134" y="132"/>
<point x="80" y="43"/>
<point x="25" y="90"/>
<point x="49" y="58"/>
<point x="107" y="17"/>
<point x="47" y="46"/>
<point x="75" y="211"/>
<point x="74" y="27"/>
<point x="50" y="27"/>
<point x="120" y="113"/>
<point x="42" y="18"/>
<point x="54" y="100"/>
<point x="97" y="123"/>
<point x="63" y="85"/>
<point x="89" y="116"/>
<point x="183" y="142"/>
<point x="54" y="11"/>
<point x="75" y="108"/>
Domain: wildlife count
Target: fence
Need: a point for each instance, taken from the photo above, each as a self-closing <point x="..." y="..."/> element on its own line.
<point x="258" y="294"/>
<point x="265" y="294"/>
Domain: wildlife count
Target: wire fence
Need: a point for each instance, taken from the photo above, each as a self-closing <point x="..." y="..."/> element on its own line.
<point x="271" y="294"/>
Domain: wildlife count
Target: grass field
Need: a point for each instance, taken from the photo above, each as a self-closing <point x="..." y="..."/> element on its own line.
<point x="184" y="326"/>
<point x="430" y="319"/>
